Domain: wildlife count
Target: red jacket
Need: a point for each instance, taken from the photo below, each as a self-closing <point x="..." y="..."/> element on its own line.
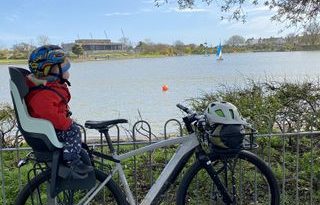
<point x="47" y="104"/>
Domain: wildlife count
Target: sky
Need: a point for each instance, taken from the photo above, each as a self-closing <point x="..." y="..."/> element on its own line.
<point x="64" y="21"/>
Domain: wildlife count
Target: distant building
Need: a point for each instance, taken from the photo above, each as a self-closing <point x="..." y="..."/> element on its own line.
<point x="94" y="45"/>
<point x="252" y="41"/>
<point x="271" y="40"/>
<point x="67" y="46"/>
<point x="278" y="41"/>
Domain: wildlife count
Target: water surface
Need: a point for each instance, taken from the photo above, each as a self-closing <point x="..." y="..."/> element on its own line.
<point x="104" y="90"/>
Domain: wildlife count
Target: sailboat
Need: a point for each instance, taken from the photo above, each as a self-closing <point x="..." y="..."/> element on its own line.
<point x="206" y="53"/>
<point x="219" y="52"/>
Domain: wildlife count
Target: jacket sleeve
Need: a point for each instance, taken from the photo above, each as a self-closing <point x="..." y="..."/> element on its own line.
<point x="46" y="106"/>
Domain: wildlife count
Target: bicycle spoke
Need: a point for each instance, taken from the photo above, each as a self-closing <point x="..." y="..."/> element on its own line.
<point x="249" y="187"/>
<point x="37" y="192"/>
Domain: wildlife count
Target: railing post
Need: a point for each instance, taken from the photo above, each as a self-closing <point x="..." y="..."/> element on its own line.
<point x="135" y="163"/>
<point x="297" y="170"/>
<point x="283" y="163"/>
<point x="134" y="147"/>
<point x="165" y="148"/>
<point x="166" y="136"/>
<point x="311" y="174"/>
<point x="2" y="169"/>
<point x="166" y="124"/>
<point x="18" y="157"/>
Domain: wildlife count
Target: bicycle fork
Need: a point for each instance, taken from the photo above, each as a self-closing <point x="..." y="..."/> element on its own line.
<point x="206" y="163"/>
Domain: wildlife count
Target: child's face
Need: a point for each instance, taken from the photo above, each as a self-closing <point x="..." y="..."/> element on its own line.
<point x="66" y="75"/>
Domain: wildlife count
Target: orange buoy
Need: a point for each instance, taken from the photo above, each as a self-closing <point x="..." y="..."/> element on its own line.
<point x="165" y="88"/>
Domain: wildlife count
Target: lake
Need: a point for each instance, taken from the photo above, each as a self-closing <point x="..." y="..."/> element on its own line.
<point x="105" y="90"/>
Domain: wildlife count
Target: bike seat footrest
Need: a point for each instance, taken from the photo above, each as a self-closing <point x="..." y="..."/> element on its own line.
<point x="91" y="124"/>
<point x="66" y="172"/>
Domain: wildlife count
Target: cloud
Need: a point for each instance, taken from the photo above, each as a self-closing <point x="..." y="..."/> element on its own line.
<point x="257" y="9"/>
<point x="257" y="23"/>
<point x="259" y="26"/>
<point x="15" y="37"/>
<point x="120" y="14"/>
<point x="187" y="10"/>
<point x="148" y="1"/>
<point x="12" y="17"/>
<point x="144" y="10"/>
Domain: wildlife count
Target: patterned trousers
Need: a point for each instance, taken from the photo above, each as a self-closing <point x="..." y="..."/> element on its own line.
<point x="72" y="140"/>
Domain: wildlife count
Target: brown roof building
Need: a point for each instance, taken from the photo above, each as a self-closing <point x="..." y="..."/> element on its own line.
<point x="94" y="45"/>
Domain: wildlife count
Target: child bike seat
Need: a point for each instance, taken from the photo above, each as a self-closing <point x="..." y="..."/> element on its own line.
<point x="38" y="133"/>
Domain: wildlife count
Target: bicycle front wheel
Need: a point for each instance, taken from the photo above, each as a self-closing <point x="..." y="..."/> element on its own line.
<point x="36" y="192"/>
<point x="247" y="179"/>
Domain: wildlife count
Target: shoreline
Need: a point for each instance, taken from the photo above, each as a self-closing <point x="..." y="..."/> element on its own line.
<point x="131" y="56"/>
<point x="91" y="58"/>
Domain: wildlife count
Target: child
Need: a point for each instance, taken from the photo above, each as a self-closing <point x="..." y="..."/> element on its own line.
<point x="48" y="99"/>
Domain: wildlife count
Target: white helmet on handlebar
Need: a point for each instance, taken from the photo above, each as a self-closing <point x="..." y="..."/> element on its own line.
<point x="223" y="113"/>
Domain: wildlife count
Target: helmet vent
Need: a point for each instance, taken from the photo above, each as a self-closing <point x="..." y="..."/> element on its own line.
<point x="220" y="113"/>
<point x="231" y="113"/>
<point x="212" y="104"/>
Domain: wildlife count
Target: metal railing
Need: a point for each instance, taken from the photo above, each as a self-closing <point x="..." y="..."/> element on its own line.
<point x="292" y="157"/>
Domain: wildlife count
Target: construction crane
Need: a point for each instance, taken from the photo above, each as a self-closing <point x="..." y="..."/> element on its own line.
<point x="105" y="34"/>
<point x="125" y="41"/>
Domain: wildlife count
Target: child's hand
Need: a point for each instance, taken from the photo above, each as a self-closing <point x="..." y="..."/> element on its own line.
<point x="35" y="80"/>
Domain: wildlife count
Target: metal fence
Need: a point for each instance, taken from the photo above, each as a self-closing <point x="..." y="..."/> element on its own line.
<point x="293" y="157"/>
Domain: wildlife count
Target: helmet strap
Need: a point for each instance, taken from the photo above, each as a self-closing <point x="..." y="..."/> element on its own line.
<point x="62" y="80"/>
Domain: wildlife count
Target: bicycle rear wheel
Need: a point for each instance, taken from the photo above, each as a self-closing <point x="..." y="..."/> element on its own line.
<point x="36" y="192"/>
<point x="246" y="177"/>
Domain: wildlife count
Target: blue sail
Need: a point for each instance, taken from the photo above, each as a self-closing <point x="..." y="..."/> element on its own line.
<point x="219" y="49"/>
<point x="219" y="52"/>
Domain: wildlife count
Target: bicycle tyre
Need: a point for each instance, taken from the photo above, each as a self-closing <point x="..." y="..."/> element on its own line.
<point x="183" y="196"/>
<point x="117" y="194"/>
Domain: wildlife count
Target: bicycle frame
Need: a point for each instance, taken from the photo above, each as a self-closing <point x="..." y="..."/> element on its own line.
<point x="187" y="145"/>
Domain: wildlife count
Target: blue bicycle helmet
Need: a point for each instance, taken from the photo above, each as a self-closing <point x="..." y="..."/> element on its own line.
<point x="42" y="59"/>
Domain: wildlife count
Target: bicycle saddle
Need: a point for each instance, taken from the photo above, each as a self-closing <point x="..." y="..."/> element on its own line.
<point x="91" y="124"/>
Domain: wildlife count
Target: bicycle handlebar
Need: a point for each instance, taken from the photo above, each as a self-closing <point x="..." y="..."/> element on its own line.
<point x="185" y="109"/>
<point x="200" y="118"/>
<point x="192" y="117"/>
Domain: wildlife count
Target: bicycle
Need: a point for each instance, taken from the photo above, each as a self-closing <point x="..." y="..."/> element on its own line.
<point x="210" y="180"/>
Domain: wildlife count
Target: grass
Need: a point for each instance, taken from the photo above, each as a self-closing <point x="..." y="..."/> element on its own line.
<point x="13" y="61"/>
<point x="91" y="57"/>
<point x="149" y="165"/>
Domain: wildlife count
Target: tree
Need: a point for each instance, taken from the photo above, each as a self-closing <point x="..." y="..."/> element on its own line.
<point x="126" y="44"/>
<point x="178" y="43"/>
<point x="22" y="50"/>
<point x="236" y="40"/>
<point x="291" y="38"/>
<point x="4" y="54"/>
<point x="139" y="46"/>
<point x="43" y="40"/>
<point x="179" y="46"/>
<point x="77" y="49"/>
<point x="311" y="34"/>
<point x="7" y="125"/>
<point x="295" y="13"/>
